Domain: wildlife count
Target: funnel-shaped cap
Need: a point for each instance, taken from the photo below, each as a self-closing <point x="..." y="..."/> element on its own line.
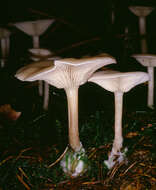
<point x="114" y="81"/>
<point x="67" y="73"/>
<point x="34" y="28"/>
<point x="147" y="60"/>
<point x="33" y="70"/>
<point x="141" y="11"/>
<point x="4" y="33"/>
<point x="40" y="54"/>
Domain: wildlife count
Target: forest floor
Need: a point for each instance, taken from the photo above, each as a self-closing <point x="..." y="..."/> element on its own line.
<point x="31" y="149"/>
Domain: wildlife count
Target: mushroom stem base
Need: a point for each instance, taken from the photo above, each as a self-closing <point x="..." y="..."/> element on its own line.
<point x="115" y="158"/>
<point x="74" y="164"/>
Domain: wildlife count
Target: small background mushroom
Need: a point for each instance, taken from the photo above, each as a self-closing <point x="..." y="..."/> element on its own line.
<point x="34" y="29"/>
<point x="149" y="61"/>
<point x="142" y="12"/>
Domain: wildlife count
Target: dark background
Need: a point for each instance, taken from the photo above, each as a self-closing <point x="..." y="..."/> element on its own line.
<point x="75" y="22"/>
<point x="78" y="21"/>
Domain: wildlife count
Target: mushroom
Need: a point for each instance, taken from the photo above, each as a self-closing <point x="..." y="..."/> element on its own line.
<point x="118" y="83"/>
<point x="142" y="12"/>
<point x="40" y="54"/>
<point x="5" y="44"/>
<point x="69" y="74"/>
<point x="149" y="61"/>
<point x="34" y="29"/>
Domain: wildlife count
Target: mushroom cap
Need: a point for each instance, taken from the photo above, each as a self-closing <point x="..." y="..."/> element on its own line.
<point x="28" y="72"/>
<point x="114" y="81"/>
<point x="141" y="10"/>
<point x="4" y="33"/>
<point x="65" y="73"/>
<point x="147" y="60"/>
<point x="102" y="58"/>
<point x="34" y="28"/>
<point x="40" y="54"/>
<point x="40" y="51"/>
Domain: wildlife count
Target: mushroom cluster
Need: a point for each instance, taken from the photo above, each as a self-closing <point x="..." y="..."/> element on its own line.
<point x="40" y="54"/>
<point x="68" y="74"/>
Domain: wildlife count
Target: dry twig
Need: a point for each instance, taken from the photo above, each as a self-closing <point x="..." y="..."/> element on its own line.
<point x="22" y="151"/>
<point x="58" y="158"/>
<point x="128" y="169"/>
<point x="23" y="182"/>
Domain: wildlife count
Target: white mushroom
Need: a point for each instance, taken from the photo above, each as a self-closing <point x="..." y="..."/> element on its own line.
<point x="40" y="54"/>
<point x="69" y="74"/>
<point x="5" y="44"/>
<point x="34" y="29"/>
<point x="118" y="83"/>
<point x="142" y="12"/>
<point x="149" y="61"/>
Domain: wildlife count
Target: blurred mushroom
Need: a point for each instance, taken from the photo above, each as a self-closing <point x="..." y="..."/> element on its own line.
<point x="142" y="12"/>
<point x="5" y="44"/>
<point x="40" y="54"/>
<point x="118" y="83"/>
<point x="34" y="29"/>
<point x="149" y="61"/>
<point x="69" y="74"/>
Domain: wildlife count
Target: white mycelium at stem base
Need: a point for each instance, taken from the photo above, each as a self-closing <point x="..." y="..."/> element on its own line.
<point x="142" y="12"/>
<point x="149" y="61"/>
<point x="118" y="83"/>
<point x="69" y="74"/>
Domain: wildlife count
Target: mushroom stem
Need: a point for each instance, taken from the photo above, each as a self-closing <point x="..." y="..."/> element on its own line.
<point x="72" y="98"/>
<point x="46" y="96"/>
<point x="151" y="87"/>
<point x="40" y="88"/>
<point x="142" y="25"/>
<point x="40" y="83"/>
<point x="3" y="50"/>
<point x="2" y="63"/>
<point x="112" y="15"/>
<point x="117" y="144"/>
<point x="3" y="47"/>
<point x="142" y="28"/>
<point x="36" y="42"/>
<point x="7" y="45"/>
